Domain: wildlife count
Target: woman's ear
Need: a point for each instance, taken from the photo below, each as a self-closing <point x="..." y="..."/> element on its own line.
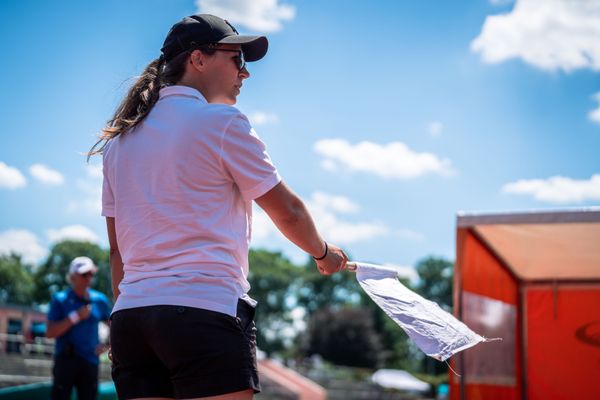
<point x="197" y="59"/>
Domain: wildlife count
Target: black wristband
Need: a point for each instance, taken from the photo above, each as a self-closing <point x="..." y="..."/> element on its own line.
<point x="324" y="255"/>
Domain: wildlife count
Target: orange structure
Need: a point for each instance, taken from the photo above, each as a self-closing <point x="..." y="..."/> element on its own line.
<point x="532" y="279"/>
<point x="301" y="387"/>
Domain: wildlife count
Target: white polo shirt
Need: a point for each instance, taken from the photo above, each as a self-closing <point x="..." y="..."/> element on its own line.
<point x="180" y="187"/>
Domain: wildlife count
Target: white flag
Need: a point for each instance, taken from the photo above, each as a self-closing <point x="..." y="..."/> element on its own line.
<point x="438" y="333"/>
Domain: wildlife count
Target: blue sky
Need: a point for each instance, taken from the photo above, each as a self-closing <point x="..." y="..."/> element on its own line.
<point x="387" y="117"/>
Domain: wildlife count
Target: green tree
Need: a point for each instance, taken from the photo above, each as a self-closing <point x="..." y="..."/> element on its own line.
<point x="51" y="276"/>
<point x="344" y="336"/>
<point x="16" y="280"/>
<point x="435" y="284"/>
<point x="395" y="342"/>
<point x="316" y="291"/>
<point x="272" y="278"/>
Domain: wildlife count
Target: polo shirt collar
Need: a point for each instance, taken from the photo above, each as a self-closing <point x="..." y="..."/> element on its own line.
<point x="179" y="90"/>
<point x="73" y="294"/>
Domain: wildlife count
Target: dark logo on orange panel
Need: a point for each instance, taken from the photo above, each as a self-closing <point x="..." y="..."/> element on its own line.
<point x="589" y="333"/>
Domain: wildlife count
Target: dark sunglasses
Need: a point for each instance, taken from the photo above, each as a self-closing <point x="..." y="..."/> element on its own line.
<point x="239" y="61"/>
<point x="87" y="275"/>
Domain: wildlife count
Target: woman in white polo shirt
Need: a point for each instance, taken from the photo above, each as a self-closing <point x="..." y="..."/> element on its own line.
<point x="181" y="169"/>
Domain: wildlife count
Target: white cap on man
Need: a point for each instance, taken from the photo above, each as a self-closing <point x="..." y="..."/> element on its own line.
<point x="81" y="265"/>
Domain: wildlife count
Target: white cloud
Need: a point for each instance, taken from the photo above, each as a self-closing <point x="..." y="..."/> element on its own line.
<point x="549" y="34"/>
<point x="393" y="160"/>
<point x="263" y="118"/>
<point x="94" y="170"/>
<point x="11" y="177"/>
<point x="557" y="189"/>
<point x="325" y="209"/>
<point x="594" y="115"/>
<point x="435" y="128"/>
<point x="256" y="15"/>
<point x="46" y="175"/>
<point x="23" y="242"/>
<point x="72" y="232"/>
<point x="340" y="204"/>
<point x="266" y="236"/>
<point x="345" y="233"/>
<point x="262" y="226"/>
<point x="90" y="201"/>
<point x="328" y="212"/>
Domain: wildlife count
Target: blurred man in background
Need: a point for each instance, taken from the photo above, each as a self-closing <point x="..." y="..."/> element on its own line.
<point x="73" y="320"/>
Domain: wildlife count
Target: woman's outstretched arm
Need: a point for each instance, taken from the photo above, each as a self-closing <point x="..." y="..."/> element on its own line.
<point x="290" y="215"/>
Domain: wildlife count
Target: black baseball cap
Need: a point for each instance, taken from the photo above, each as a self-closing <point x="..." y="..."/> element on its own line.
<point x="202" y="29"/>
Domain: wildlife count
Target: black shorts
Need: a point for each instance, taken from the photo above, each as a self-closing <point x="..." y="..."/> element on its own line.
<point x="72" y="371"/>
<point x="183" y="352"/>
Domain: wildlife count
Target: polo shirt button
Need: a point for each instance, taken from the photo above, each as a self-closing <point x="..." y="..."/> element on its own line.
<point x="180" y="310"/>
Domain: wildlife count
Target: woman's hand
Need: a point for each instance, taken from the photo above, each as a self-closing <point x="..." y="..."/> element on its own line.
<point x="334" y="261"/>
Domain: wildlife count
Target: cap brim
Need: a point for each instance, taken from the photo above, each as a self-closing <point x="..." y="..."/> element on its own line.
<point x="86" y="268"/>
<point x="254" y="47"/>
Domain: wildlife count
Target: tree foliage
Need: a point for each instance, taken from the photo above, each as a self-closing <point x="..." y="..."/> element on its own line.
<point x="16" y="280"/>
<point x="345" y="337"/>
<point x="344" y="325"/>
<point x="435" y="282"/>
<point x="395" y="342"/>
<point x="331" y="304"/>
<point x="317" y="291"/>
<point x="272" y="278"/>
<point x="51" y="276"/>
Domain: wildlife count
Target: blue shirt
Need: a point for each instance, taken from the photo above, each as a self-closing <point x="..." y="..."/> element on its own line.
<point x="83" y="336"/>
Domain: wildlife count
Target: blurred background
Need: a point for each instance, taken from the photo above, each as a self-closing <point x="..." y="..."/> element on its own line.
<point x="387" y="117"/>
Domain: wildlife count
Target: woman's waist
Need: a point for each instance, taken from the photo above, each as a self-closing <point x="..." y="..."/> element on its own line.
<point x="183" y="273"/>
